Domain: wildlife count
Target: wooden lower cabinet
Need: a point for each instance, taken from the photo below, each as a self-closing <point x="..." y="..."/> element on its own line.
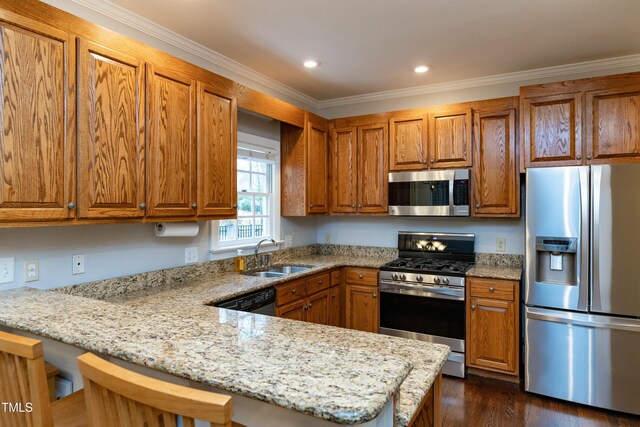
<point x="318" y="308"/>
<point x="362" y="305"/>
<point x="294" y="310"/>
<point x="493" y="325"/>
<point x="305" y="299"/>
<point x="335" y="306"/>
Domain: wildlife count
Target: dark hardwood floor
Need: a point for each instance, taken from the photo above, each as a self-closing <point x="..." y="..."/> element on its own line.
<point x="483" y="402"/>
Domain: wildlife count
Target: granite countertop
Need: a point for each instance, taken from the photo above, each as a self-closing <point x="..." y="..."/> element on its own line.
<point x="494" y="272"/>
<point x="337" y="374"/>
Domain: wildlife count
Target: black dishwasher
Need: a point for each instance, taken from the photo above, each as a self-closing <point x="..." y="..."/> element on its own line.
<point x="260" y="302"/>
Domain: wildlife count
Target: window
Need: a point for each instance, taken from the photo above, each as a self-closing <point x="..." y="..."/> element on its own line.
<point x="258" y="203"/>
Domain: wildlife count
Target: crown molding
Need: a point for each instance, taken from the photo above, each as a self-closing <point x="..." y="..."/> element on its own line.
<point x="519" y="76"/>
<point x="139" y="23"/>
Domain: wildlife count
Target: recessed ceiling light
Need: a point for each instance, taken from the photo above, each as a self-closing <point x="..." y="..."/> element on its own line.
<point x="311" y="63"/>
<point x="421" y="69"/>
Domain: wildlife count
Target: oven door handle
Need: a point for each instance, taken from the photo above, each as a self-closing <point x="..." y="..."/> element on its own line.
<point x="424" y="291"/>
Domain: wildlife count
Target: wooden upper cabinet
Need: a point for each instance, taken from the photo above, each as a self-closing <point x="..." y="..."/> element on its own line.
<point x="408" y="143"/>
<point x="372" y="169"/>
<point x="450" y="139"/>
<point x="551" y="127"/>
<point x="495" y="170"/>
<point x="111" y="141"/>
<point x="317" y="168"/>
<point x="37" y="143"/>
<point x="217" y="147"/>
<point x="171" y="147"/>
<point x="344" y="170"/>
<point x="613" y="125"/>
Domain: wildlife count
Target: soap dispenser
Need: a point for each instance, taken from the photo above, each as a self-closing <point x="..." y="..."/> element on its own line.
<point x="238" y="264"/>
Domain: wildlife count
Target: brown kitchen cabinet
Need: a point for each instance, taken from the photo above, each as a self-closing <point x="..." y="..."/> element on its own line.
<point x="493" y="325"/>
<point x="217" y="152"/>
<point x="335" y="306"/>
<point x="362" y="305"/>
<point x="37" y="149"/>
<point x="581" y="122"/>
<point x="305" y="299"/>
<point x="495" y="172"/>
<point x="439" y="139"/>
<point x="111" y="143"/>
<point x="359" y="169"/>
<point x="171" y="143"/>
<point x="305" y="167"/>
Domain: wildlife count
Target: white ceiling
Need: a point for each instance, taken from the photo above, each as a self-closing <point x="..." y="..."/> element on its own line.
<point x="367" y="46"/>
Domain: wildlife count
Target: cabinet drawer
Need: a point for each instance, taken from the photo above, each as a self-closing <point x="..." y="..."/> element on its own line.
<point x="335" y="277"/>
<point x="318" y="283"/>
<point x="494" y="289"/>
<point x="291" y="291"/>
<point x="362" y="276"/>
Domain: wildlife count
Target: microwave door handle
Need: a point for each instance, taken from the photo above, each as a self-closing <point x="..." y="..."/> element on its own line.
<point x="452" y="177"/>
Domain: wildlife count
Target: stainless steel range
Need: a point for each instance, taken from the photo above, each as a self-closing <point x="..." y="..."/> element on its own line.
<point x="422" y="293"/>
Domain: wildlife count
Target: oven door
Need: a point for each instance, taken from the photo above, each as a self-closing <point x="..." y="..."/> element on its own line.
<point x="435" y="314"/>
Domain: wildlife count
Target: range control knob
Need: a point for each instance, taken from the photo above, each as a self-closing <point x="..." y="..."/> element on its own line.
<point x="394" y="276"/>
<point x="436" y="280"/>
<point x="445" y="280"/>
<point x="419" y="279"/>
<point x="403" y="277"/>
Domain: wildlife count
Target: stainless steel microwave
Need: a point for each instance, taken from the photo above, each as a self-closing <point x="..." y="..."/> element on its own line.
<point x="429" y="193"/>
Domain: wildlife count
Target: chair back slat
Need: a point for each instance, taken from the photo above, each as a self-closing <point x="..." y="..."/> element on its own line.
<point x="23" y="380"/>
<point x="117" y="396"/>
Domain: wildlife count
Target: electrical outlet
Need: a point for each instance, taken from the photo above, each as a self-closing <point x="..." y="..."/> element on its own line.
<point x="501" y="244"/>
<point x="327" y="238"/>
<point x="6" y="269"/>
<point x="78" y="264"/>
<point x="31" y="270"/>
<point x="288" y="241"/>
<point x="191" y="255"/>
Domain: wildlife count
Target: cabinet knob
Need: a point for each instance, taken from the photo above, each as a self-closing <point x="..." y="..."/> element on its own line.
<point x="304" y="307"/>
<point x="353" y="206"/>
<point x="333" y="295"/>
<point x="319" y="282"/>
<point x="293" y="291"/>
<point x="194" y="205"/>
<point x="588" y="157"/>
<point x="578" y="157"/>
<point x="235" y="206"/>
<point x="310" y="305"/>
<point x="360" y="276"/>
<point x="473" y="307"/>
<point x="142" y="205"/>
<point x="375" y="295"/>
<point x="359" y="206"/>
<point x="71" y="205"/>
<point x="477" y="205"/>
<point x="491" y="289"/>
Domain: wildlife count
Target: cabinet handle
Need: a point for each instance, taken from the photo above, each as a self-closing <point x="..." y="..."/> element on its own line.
<point x="194" y="205"/>
<point x="375" y="295"/>
<point x="360" y="276"/>
<point x="473" y="307"/>
<point x="333" y="295"/>
<point x="142" y="205"/>
<point x="588" y="157"/>
<point x="71" y="205"/>
<point x="491" y="289"/>
<point x="293" y="291"/>
<point x="578" y="157"/>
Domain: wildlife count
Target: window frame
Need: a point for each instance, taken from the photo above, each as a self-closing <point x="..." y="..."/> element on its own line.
<point x="272" y="148"/>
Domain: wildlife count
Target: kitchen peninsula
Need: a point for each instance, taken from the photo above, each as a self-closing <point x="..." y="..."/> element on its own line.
<point x="319" y="374"/>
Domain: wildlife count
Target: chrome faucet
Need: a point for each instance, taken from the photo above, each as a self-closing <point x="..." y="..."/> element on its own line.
<point x="255" y="255"/>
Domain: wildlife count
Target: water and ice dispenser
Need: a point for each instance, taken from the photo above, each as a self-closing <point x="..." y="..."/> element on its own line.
<point x="557" y="260"/>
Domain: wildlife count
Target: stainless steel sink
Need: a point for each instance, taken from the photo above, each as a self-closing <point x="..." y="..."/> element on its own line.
<point x="278" y="271"/>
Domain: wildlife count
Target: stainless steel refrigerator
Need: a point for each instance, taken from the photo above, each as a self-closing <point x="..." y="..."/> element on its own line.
<point x="582" y="285"/>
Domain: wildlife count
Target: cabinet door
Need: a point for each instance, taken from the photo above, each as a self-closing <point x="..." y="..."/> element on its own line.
<point x="317" y="169"/>
<point x="408" y="144"/>
<point x="362" y="308"/>
<point x="318" y="308"/>
<point x="37" y="146"/>
<point x="450" y="139"/>
<point x="334" y="306"/>
<point x="551" y="129"/>
<point x="111" y="141"/>
<point x="613" y="125"/>
<point x="492" y="335"/>
<point x="373" y="174"/>
<point x="216" y="153"/>
<point x="171" y="147"/>
<point x="496" y="189"/>
<point x="344" y="170"/>
<point x="294" y="311"/>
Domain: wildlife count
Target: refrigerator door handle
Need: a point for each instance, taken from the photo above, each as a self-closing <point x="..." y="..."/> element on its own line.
<point x="581" y="319"/>
<point x="583" y="242"/>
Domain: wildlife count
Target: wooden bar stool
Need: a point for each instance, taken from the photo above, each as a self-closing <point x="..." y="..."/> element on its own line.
<point x="23" y="380"/>
<point x="116" y="396"/>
